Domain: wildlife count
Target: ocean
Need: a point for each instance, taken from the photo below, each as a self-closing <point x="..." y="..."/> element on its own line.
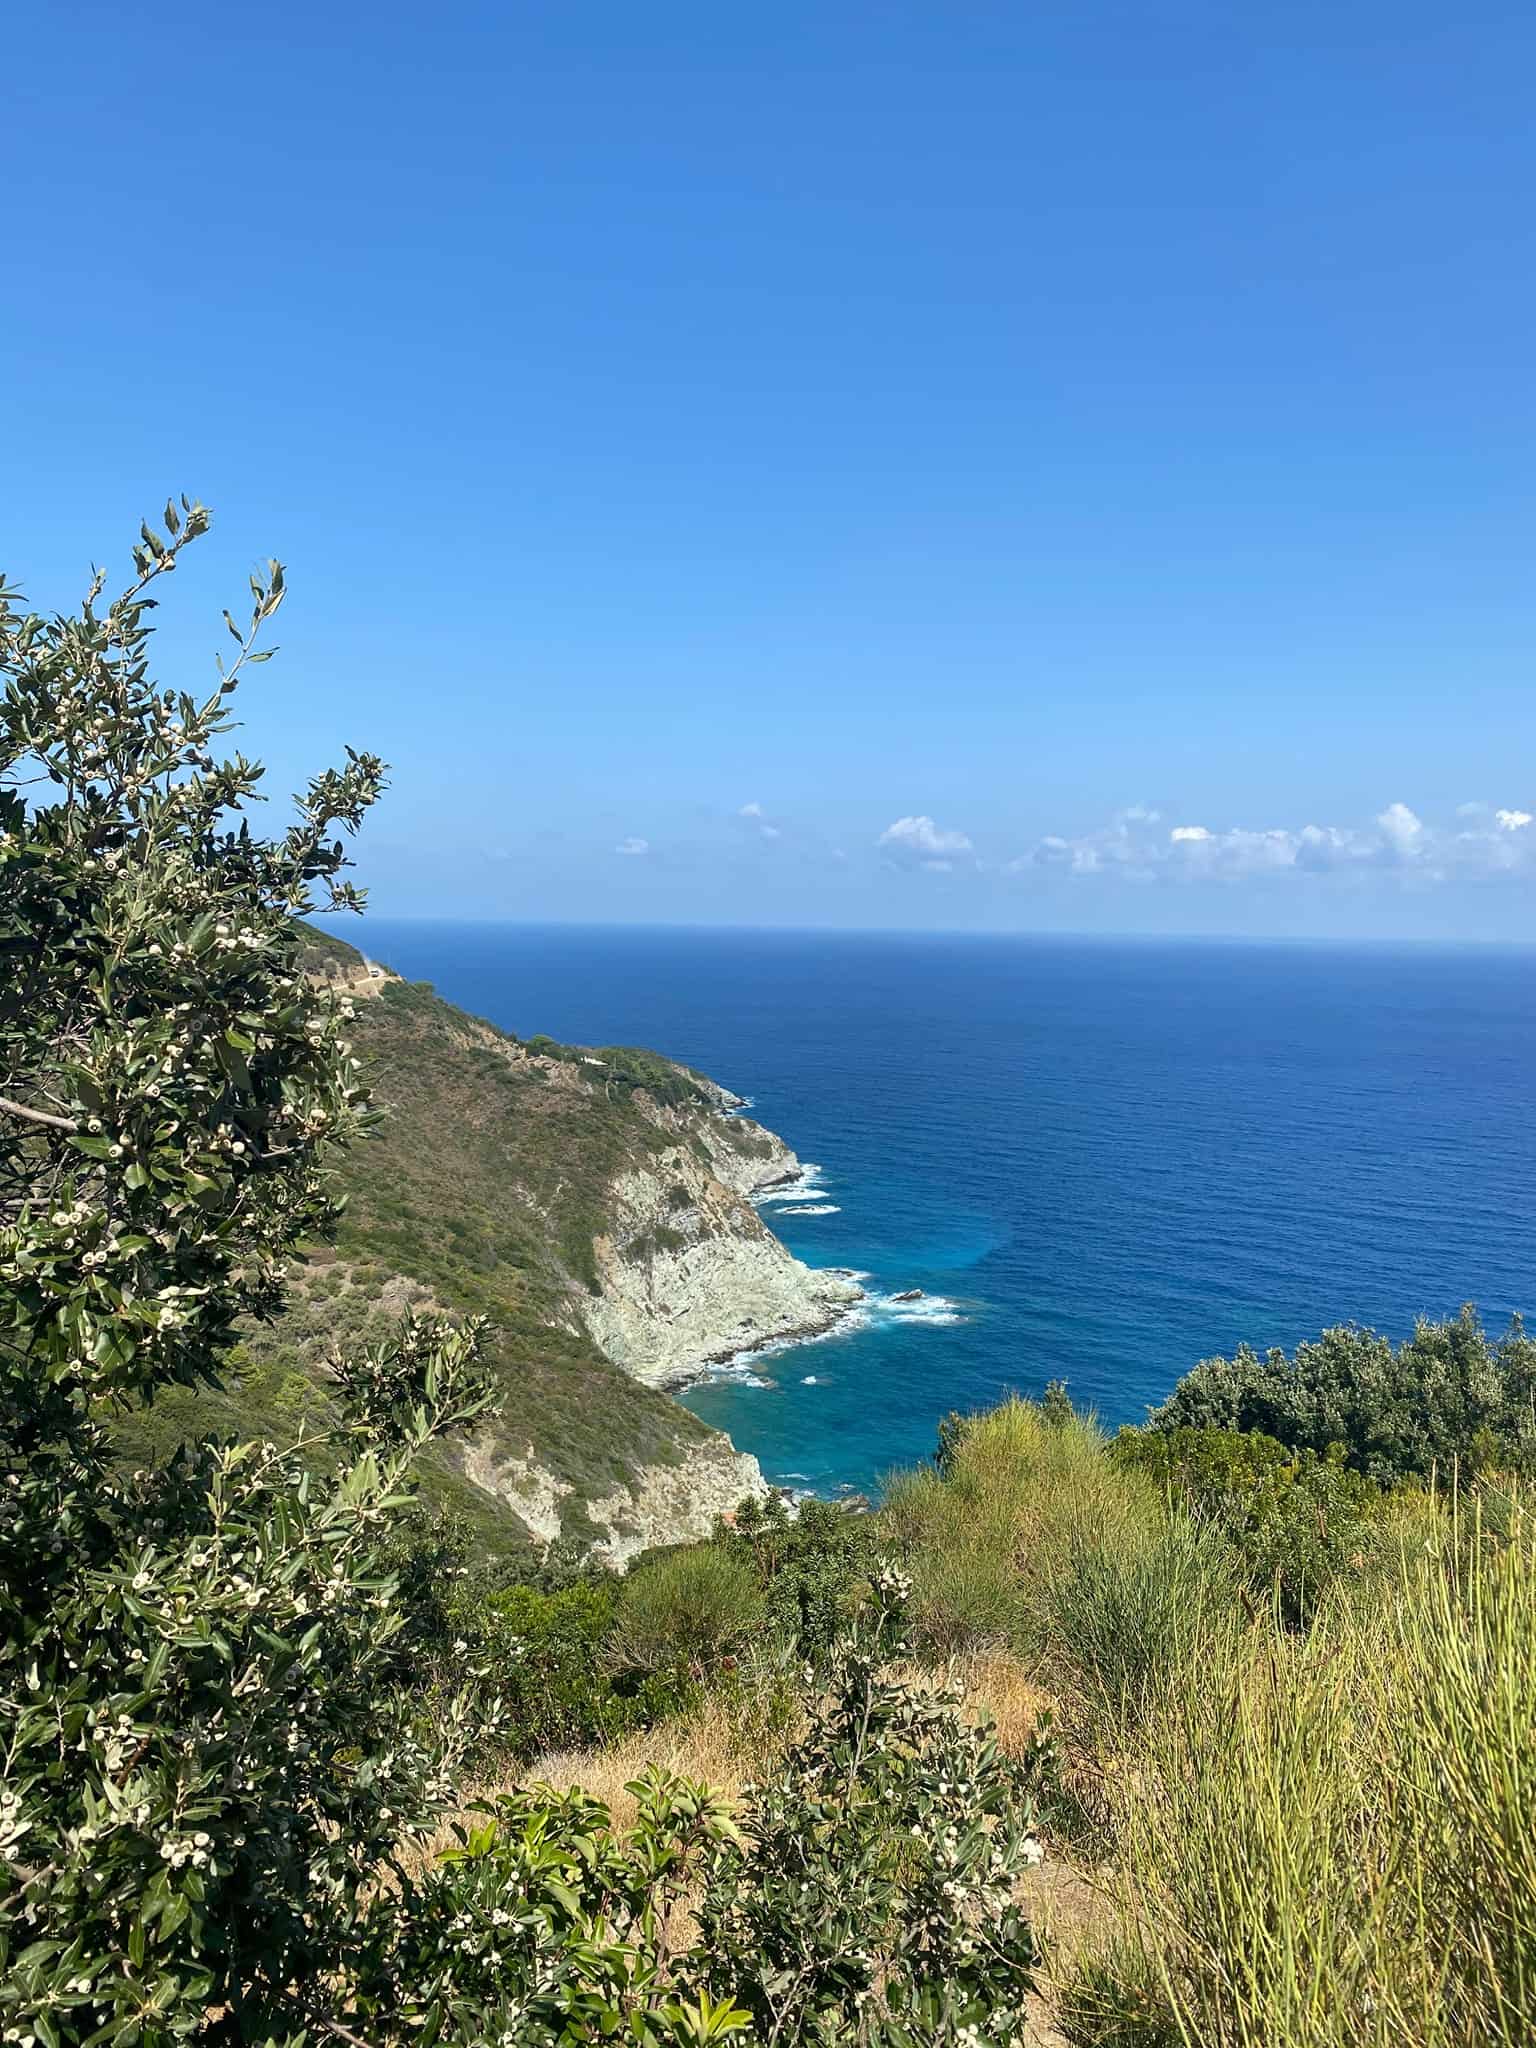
<point x="1099" y="1160"/>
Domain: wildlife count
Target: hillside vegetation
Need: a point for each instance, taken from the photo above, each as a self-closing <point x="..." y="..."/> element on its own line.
<point x="480" y="1190"/>
<point x="1283" y="1731"/>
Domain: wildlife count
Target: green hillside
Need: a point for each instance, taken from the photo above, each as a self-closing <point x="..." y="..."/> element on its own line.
<point x="481" y="1192"/>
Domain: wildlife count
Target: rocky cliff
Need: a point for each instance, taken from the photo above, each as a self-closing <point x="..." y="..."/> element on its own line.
<point x="688" y="1272"/>
<point x="595" y="1205"/>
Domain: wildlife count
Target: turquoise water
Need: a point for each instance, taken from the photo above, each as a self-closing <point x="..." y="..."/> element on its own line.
<point x="1101" y="1161"/>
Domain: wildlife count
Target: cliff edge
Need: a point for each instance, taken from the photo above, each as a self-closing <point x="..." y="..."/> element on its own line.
<point x="595" y="1205"/>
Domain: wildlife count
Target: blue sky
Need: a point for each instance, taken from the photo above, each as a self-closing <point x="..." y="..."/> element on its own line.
<point x="1055" y="467"/>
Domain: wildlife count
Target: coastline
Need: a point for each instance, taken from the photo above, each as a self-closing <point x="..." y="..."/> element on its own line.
<point x="786" y="1339"/>
<point x="689" y="1272"/>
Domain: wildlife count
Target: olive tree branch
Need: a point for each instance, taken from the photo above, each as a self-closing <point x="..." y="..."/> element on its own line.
<point x="37" y="1116"/>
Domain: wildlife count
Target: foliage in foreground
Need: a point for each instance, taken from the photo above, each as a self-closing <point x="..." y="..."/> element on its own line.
<point x="205" y="1764"/>
<point x="863" y="1893"/>
<point x="1313" y="1827"/>
<point x="1324" y="1839"/>
<point x="217" y="1783"/>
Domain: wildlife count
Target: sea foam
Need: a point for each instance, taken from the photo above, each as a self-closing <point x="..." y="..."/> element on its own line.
<point x="930" y="1308"/>
<point x="807" y="1186"/>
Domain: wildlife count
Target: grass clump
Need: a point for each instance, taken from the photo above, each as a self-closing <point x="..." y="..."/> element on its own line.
<point x="1323" y="1837"/>
<point x="985" y="1526"/>
<point x="689" y="1611"/>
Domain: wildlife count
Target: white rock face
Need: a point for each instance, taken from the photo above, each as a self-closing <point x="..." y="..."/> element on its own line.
<point x="676" y="1503"/>
<point x="533" y="1493"/>
<point x="665" y="1504"/>
<point x="688" y="1271"/>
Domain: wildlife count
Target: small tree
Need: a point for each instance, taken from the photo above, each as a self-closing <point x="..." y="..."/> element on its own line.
<point x="203" y="1771"/>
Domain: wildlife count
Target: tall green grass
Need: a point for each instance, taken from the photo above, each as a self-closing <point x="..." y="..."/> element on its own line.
<point x="984" y="1538"/>
<point x="1129" y="1606"/>
<point x="1327" y="1840"/>
<point x="1316" y="1837"/>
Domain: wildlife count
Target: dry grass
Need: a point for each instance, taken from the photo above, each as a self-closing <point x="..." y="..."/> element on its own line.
<point x="707" y="1744"/>
<point x="725" y="1746"/>
<point x="996" y="1687"/>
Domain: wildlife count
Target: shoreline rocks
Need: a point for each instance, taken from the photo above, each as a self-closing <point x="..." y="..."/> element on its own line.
<point x="688" y="1272"/>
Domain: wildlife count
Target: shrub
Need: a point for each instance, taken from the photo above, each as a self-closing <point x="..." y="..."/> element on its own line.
<point x="1122" y="1616"/>
<point x="208" y="1766"/>
<point x="814" y="1566"/>
<point x="1014" y="1489"/>
<point x="543" y="1656"/>
<point x="861" y="1898"/>
<point x="686" y="1613"/>
<point x="1445" y="1398"/>
<point x="1298" y="1521"/>
<point x="871" y="1894"/>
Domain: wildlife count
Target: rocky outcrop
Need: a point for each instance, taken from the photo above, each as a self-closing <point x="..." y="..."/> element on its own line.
<point x="529" y="1489"/>
<point x="675" y="1503"/>
<point x="595" y="1204"/>
<point x="688" y="1272"/>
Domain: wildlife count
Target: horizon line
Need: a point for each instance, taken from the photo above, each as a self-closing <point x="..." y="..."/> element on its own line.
<point x="991" y="932"/>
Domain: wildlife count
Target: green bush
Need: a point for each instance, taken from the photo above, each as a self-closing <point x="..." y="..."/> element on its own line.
<point x="813" y="1566"/>
<point x="687" y="1613"/>
<point x="208" y="1765"/>
<point x="862" y="1897"/>
<point x="1010" y="1492"/>
<point x="870" y="1895"/>
<point x="544" y="1657"/>
<point x="1121" y="1616"/>
<point x="1446" y="1399"/>
<point x="1298" y="1521"/>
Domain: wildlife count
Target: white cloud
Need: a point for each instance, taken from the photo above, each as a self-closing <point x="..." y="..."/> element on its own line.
<point x="921" y="839"/>
<point x="633" y="846"/>
<point x="1402" y="830"/>
<point x="1490" y="844"/>
<point x="1195" y="849"/>
<point x="754" y="814"/>
<point x="1139" y="814"/>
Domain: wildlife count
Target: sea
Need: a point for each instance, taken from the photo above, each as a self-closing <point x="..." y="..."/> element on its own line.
<point x="1098" y="1160"/>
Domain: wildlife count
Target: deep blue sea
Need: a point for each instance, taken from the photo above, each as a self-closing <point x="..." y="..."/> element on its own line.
<point x="1101" y="1160"/>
